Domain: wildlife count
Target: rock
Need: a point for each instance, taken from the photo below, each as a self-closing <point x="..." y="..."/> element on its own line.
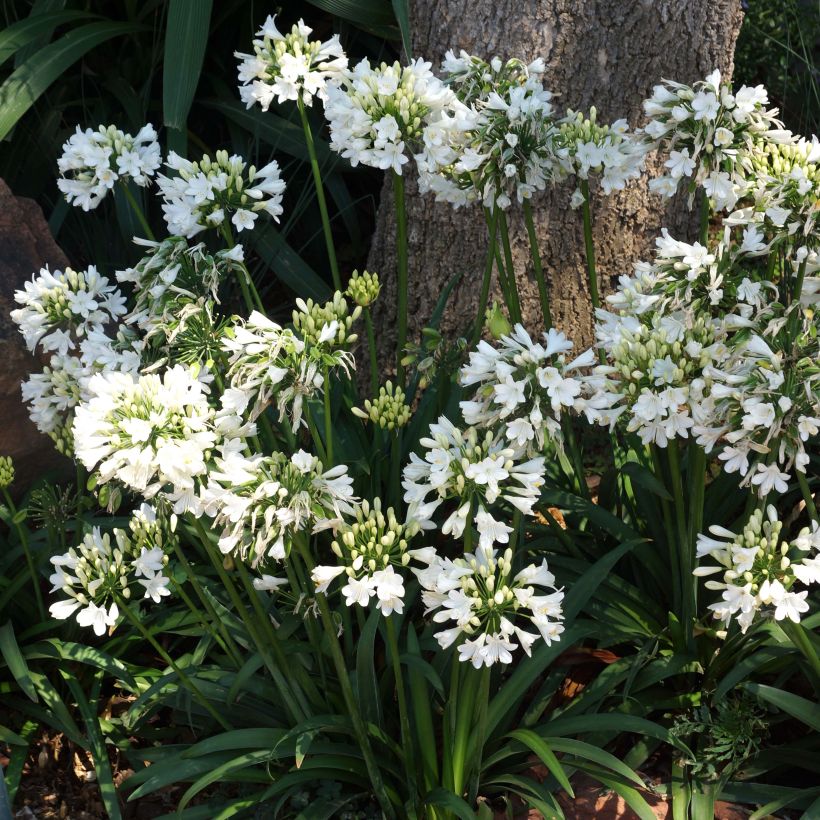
<point x="26" y="245"/>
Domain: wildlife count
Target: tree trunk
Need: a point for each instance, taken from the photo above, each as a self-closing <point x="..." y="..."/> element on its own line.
<point x="606" y="53"/>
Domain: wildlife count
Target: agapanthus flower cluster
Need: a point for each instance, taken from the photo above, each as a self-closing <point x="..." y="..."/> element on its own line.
<point x="475" y="469"/>
<point x="363" y="288"/>
<point x="760" y="569"/>
<point x="93" y="161"/>
<point x="268" y="362"/>
<point x="707" y="129"/>
<point x="784" y="189"/>
<point x="62" y="307"/>
<point x="525" y="388"/>
<point x="150" y="432"/>
<point x="6" y="472"/>
<point x="106" y="568"/>
<point x="327" y="323"/>
<point x="490" y="606"/>
<point x="389" y="409"/>
<point x="370" y="549"/>
<point x="508" y="152"/>
<point x="205" y="194"/>
<point x="288" y="66"/>
<point x="260" y="502"/>
<point x="586" y="148"/>
<point x="766" y="407"/>
<point x="378" y="114"/>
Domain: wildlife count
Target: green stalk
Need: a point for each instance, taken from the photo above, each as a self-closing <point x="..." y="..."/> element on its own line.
<point x="395" y="467"/>
<point x="794" y="319"/>
<point x="503" y="278"/>
<point x="465" y="714"/>
<point x="231" y="647"/>
<point x="798" y="636"/>
<point x="671" y="539"/>
<point x="187" y="682"/>
<point x="811" y="508"/>
<point x="485" y="282"/>
<point x="705" y="213"/>
<point x="515" y="307"/>
<point x="23" y="535"/>
<point x="359" y="727"/>
<point x="314" y="434"/>
<point x="249" y="293"/>
<point x="589" y="245"/>
<point x="320" y="195"/>
<point x="404" y="718"/>
<point x="328" y="422"/>
<point x="479" y="736"/>
<point x="543" y="293"/>
<point x="697" y="493"/>
<point x="137" y="210"/>
<point x="371" y="349"/>
<point x="402" y="252"/>
<point x="686" y="549"/>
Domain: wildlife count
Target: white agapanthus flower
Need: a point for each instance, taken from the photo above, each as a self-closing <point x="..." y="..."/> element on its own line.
<point x="206" y="193"/>
<point x="487" y="608"/>
<point x="475" y="470"/>
<point x="610" y="152"/>
<point x="760" y="569"/>
<point x="268" y="362"/>
<point x="259" y="502"/>
<point x="707" y="129"/>
<point x="93" y="161"/>
<point x="370" y="551"/>
<point x="525" y="388"/>
<point x="60" y="308"/>
<point x="288" y="66"/>
<point x="379" y="114"/>
<point x="151" y="432"/>
<point x="103" y="568"/>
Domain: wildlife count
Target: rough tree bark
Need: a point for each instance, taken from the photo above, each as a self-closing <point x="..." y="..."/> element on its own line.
<point x="607" y="53"/>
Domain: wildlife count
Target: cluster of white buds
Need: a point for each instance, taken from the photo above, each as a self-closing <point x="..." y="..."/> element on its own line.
<point x="6" y="472"/>
<point x="489" y="605"/>
<point x="475" y="470"/>
<point x="204" y="194"/>
<point x="760" y="569"/>
<point x="326" y="324"/>
<point x="93" y="161"/>
<point x="288" y="66"/>
<point x="389" y="409"/>
<point x="364" y="288"/>
<point x="370" y="549"/>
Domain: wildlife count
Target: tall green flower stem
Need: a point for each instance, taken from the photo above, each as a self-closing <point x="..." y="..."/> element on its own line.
<point x="328" y="419"/>
<point x="401" y="697"/>
<point x="135" y="207"/>
<point x="249" y="293"/>
<point x="402" y="263"/>
<point x="794" y="319"/>
<point x="371" y="350"/>
<point x="23" y="536"/>
<point x="705" y="214"/>
<point x="798" y="636"/>
<point x="669" y="526"/>
<point x="543" y="293"/>
<point x="503" y="275"/>
<point x="483" y="298"/>
<point x="359" y="727"/>
<point x="291" y="695"/>
<point x="196" y="693"/>
<point x="320" y="196"/>
<point x="811" y="508"/>
<point x="685" y="547"/>
<point x="589" y="253"/>
<point x="515" y="304"/>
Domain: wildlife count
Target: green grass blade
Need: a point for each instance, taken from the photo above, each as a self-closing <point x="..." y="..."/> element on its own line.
<point x="445" y="799"/>
<point x="401" y="8"/>
<point x="25" y="85"/>
<point x="541" y="748"/>
<point x="800" y="708"/>
<point x="16" y="663"/>
<point x="18" y="35"/>
<point x="186" y="36"/>
<point x="367" y="684"/>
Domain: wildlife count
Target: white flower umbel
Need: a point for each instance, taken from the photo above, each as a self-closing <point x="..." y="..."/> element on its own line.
<point x="370" y="551"/>
<point x="480" y="601"/>
<point x="211" y="192"/>
<point x="377" y="114"/>
<point x="706" y="128"/>
<point x="760" y="570"/>
<point x="104" y="568"/>
<point x="267" y="362"/>
<point x="525" y="387"/>
<point x="260" y="502"/>
<point x="507" y="150"/>
<point x="288" y="66"/>
<point x="148" y="432"/>
<point x="93" y="161"/>
<point x="475" y="470"/>
<point x="610" y="152"/>
<point x="60" y="308"/>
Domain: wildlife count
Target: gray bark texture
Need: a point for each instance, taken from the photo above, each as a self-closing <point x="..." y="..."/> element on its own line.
<point x="606" y="53"/>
